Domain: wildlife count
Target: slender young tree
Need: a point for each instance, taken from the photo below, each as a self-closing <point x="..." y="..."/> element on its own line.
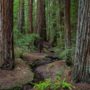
<point x="30" y="15"/>
<point x="21" y="16"/>
<point x="41" y="19"/>
<point x="7" y="34"/>
<point x="81" y="72"/>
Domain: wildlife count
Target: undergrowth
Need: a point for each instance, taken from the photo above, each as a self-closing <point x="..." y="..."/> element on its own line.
<point x="57" y="84"/>
<point x="24" y="43"/>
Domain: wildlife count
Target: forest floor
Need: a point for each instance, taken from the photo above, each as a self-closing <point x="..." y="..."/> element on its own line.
<point x="35" y="67"/>
<point x="48" y="66"/>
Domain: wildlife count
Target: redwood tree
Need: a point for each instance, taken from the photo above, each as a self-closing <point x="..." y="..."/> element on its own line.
<point x="67" y="24"/>
<point x="41" y="19"/>
<point x="30" y="15"/>
<point x="81" y="70"/>
<point x="1" y="61"/>
<point x="21" y="16"/>
<point x="7" y="50"/>
<point x="67" y="30"/>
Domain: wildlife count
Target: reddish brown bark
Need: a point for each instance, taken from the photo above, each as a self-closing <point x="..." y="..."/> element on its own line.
<point x="7" y="34"/>
<point x="41" y="20"/>
<point x="68" y="32"/>
<point x="30" y="15"/>
<point x="1" y="61"/>
<point x="67" y="24"/>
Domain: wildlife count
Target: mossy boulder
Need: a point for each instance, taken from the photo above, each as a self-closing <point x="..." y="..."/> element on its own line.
<point x="21" y="75"/>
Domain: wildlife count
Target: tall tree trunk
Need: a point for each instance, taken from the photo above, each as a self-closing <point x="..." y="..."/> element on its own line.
<point x="21" y="18"/>
<point x="41" y="20"/>
<point x="81" y="72"/>
<point x="1" y="61"/>
<point x="67" y="24"/>
<point x="67" y="30"/>
<point x="30" y="16"/>
<point x="7" y="34"/>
